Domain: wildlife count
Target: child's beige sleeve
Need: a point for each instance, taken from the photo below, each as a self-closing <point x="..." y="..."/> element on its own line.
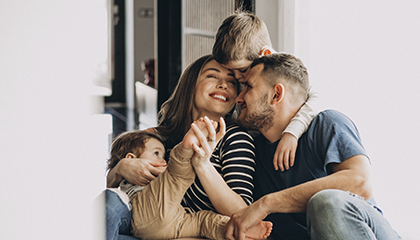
<point x="299" y="124"/>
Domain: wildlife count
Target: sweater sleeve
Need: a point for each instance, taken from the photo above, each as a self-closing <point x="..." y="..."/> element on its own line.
<point x="299" y="124"/>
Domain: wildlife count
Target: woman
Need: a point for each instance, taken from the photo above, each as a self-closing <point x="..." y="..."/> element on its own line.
<point x="206" y="88"/>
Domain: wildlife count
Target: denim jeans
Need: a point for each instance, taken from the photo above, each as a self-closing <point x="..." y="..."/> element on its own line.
<point x="336" y="214"/>
<point x="118" y="218"/>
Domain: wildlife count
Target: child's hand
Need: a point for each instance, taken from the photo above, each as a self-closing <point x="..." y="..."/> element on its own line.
<point x="190" y="138"/>
<point x="206" y="144"/>
<point x="285" y="152"/>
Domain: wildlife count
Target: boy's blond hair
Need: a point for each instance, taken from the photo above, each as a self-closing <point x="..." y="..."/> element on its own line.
<point x="242" y="35"/>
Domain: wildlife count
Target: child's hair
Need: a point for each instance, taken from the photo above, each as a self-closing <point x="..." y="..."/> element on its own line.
<point x="242" y="35"/>
<point x="129" y="142"/>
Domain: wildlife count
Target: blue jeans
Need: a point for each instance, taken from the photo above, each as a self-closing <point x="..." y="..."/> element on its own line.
<point x="118" y="218"/>
<point x="335" y="214"/>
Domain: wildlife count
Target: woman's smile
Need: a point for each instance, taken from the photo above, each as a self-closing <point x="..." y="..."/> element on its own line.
<point x="220" y="96"/>
<point x="215" y="91"/>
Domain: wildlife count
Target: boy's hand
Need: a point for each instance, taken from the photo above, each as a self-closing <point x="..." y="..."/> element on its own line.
<point x="285" y="152"/>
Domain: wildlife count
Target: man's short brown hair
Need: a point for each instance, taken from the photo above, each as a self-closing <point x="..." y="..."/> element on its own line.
<point x="286" y="69"/>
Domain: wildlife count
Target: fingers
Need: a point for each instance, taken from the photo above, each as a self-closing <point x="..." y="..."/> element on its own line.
<point x="198" y="150"/>
<point x="148" y="172"/>
<point x="292" y="159"/>
<point x="228" y="231"/>
<point x="275" y="162"/>
<point x="286" y="160"/>
<point x="199" y="135"/>
<point x="210" y="129"/>
<point x="239" y="234"/>
<point x="148" y="176"/>
<point x="222" y="129"/>
<point x="283" y="159"/>
<point x="156" y="170"/>
<point x="144" y="180"/>
<point x="280" y="160"/>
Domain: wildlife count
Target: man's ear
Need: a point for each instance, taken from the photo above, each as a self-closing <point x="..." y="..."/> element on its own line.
<point x="130" y="155"/>
<point x="279" y="92"/>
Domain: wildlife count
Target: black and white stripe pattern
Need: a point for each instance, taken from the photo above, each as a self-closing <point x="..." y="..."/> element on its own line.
<point x="234" y="159"/>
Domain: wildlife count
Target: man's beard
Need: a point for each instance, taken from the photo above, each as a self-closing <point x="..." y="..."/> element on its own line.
<point x="260" y="120"/>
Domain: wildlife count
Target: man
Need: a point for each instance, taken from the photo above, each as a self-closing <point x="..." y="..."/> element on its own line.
<point x="327" y="194"/>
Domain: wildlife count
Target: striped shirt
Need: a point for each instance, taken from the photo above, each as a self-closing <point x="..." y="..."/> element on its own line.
<point x="234" y="159"/>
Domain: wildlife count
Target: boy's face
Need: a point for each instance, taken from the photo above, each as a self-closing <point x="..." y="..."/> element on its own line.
<point x="240" y="68"/>
<point x="154" y="151"/>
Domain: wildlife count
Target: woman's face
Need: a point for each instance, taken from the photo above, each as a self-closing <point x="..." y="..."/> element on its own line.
<point x="215" y="91"/>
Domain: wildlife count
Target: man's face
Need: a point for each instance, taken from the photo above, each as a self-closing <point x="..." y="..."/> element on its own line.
<point x="256" y="111"/>
<point x="240" y="68"/>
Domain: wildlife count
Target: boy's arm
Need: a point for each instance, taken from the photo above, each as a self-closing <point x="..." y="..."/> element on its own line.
<point x="299" y="124"/>
<point x="286" y="149"/>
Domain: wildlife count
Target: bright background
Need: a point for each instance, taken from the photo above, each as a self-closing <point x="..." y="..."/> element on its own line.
<point x="53" y="145"/>
<point x="363" y="59"/>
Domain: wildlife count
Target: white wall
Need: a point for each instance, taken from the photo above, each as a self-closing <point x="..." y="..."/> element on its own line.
<point x="364" y="60"/>
<point x="51" y="145"/>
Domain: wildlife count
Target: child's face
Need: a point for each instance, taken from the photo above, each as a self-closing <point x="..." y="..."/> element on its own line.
<point x="239" y="67"/>
<point x="154" y="151"/>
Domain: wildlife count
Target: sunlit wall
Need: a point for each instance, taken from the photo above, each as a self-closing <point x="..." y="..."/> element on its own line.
<point x="53" y="146"/>
<point x="364" y="60"/>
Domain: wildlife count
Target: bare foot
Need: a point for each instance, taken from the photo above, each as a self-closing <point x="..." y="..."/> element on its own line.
<point x="260" y="231"/>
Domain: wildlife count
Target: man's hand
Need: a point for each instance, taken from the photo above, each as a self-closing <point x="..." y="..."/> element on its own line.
<point x="139" y="171"/>
<point x="243" y="220"/>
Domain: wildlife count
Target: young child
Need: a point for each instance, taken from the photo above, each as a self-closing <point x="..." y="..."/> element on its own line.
<point x="242" y="38"/>
<point x="156" y="208"/>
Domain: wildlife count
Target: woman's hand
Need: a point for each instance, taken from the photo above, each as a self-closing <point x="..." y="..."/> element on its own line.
<point x="205" y="144"/>
<point x="136" y="171"/>
<point x="206" y="128"/>
<point x="285" y="152"/>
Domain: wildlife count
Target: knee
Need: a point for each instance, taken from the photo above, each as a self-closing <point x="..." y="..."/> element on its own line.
<point x="326" y="202"/>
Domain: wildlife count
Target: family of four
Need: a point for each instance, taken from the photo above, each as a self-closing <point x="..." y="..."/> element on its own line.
<point x="240" y="154"/>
